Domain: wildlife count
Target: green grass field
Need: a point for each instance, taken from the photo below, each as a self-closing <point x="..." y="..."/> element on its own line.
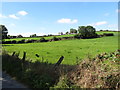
<point x="72" y="50"/>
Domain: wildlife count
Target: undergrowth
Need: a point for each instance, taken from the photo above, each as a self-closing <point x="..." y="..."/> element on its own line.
<point x="103" y="71"/>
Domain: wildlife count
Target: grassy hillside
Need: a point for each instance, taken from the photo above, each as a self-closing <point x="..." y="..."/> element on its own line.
<point x="72" y="50"/>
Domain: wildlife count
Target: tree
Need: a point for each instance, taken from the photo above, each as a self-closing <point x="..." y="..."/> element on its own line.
<point x="60" y="33"/>
<point x="73" y="30"/>
<point x="33" y="35"/>
<point x="19" y="36"/>
<point x="67" y="32"/>
<point x="87" y="32"/>
<point x="3" y="31"/>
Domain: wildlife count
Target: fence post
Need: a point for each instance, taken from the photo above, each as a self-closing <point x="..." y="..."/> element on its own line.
<point x="13" y="54"/>
<point x="23" y="61"/>
<point x="59" y="61"/>
<point x="24" y="56"/>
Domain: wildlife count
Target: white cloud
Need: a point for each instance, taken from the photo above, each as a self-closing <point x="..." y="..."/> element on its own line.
<point x="66" y="20"/>
<point x="98" y="23"/>
<point x="23" y="13"/>
<point x="3" y="16"/>
<point x="13" y="16"/>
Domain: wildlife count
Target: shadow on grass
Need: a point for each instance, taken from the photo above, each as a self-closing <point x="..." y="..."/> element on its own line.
<point x="100" y="72"/>
<point x="34" y="75"/>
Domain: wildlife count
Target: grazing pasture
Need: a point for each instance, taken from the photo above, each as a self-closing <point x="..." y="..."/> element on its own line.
<point x="72" y="50"/>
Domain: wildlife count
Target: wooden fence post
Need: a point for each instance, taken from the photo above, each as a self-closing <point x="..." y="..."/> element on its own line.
<point x="24" y="56"/>
<point x="59" y="61"/>
<point x="23" y="61"/>
<point x="13" y="54"/>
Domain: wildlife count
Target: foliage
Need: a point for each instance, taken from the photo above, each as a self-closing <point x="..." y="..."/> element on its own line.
<point x="73" y="30"/>
<point x="21" y="41"/>
<point x="99" y="72"/>
<point x="87" y="32"/>
<point x="108" y="34"/>
<point x="42" y="39"/>
<point x="3" y="31"/>
<point x="19" y="36"/>
<point x="63" y="82"/>
<point x="35" y="75"/>
<point x="67" y="33"/>
<point x="78" y="36"/>
<point x="49" y="37"/>
<point x="55" y="38"/>
<point x="14" y="41"/>
<point x="33" y="35"/>
<point x="60" y="33"/>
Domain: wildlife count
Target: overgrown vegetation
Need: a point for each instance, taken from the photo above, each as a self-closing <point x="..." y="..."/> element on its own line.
<point x="100" y="72"/>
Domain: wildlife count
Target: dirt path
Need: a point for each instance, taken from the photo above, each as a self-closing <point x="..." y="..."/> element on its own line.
<point x="8" y="82"/>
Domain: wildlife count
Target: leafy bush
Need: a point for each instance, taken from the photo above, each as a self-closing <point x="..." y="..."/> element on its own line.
<point x="63" y="82"/>
<point x="14" y="41"/>
<point x="55" y="38"/>
<point x="21" y="41"/>
<point x="29" y="41"/>
<point x="6" y="42"/>
<point x="78" y="36"/>
<point x="108" y="34"/>
<point x="42" y="39"/>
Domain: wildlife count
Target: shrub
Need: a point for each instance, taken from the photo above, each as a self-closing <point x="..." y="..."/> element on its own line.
<point x="6" y="42"/>
<point x="78" y="36"/>
<point x="42" y="39"/>
<point x="14" y="41"/>
<point x="29" y="40"/>
<point x="108" y="34"/>
<point x="21" y="41"/>
<point x="55" y="38"/>
<point x="63" y="82"/>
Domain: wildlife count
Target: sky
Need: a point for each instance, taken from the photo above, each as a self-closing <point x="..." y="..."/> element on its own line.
<point x="44" y="18"/>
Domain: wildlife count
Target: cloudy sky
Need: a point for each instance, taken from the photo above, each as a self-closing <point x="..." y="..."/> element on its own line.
<point x="41" y="18"/>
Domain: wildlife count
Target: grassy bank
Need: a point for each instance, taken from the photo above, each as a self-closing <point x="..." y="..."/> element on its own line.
<point x="101" y="71"/>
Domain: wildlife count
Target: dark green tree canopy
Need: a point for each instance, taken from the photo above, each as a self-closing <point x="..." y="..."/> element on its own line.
<point x="87" y="31"/>
<point x="73" y="30"/>
<point x="3" y="31"/>
<point x="33" y="35"/>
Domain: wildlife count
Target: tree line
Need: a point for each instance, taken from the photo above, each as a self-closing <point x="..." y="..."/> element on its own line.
<point x="82" y="32"/>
